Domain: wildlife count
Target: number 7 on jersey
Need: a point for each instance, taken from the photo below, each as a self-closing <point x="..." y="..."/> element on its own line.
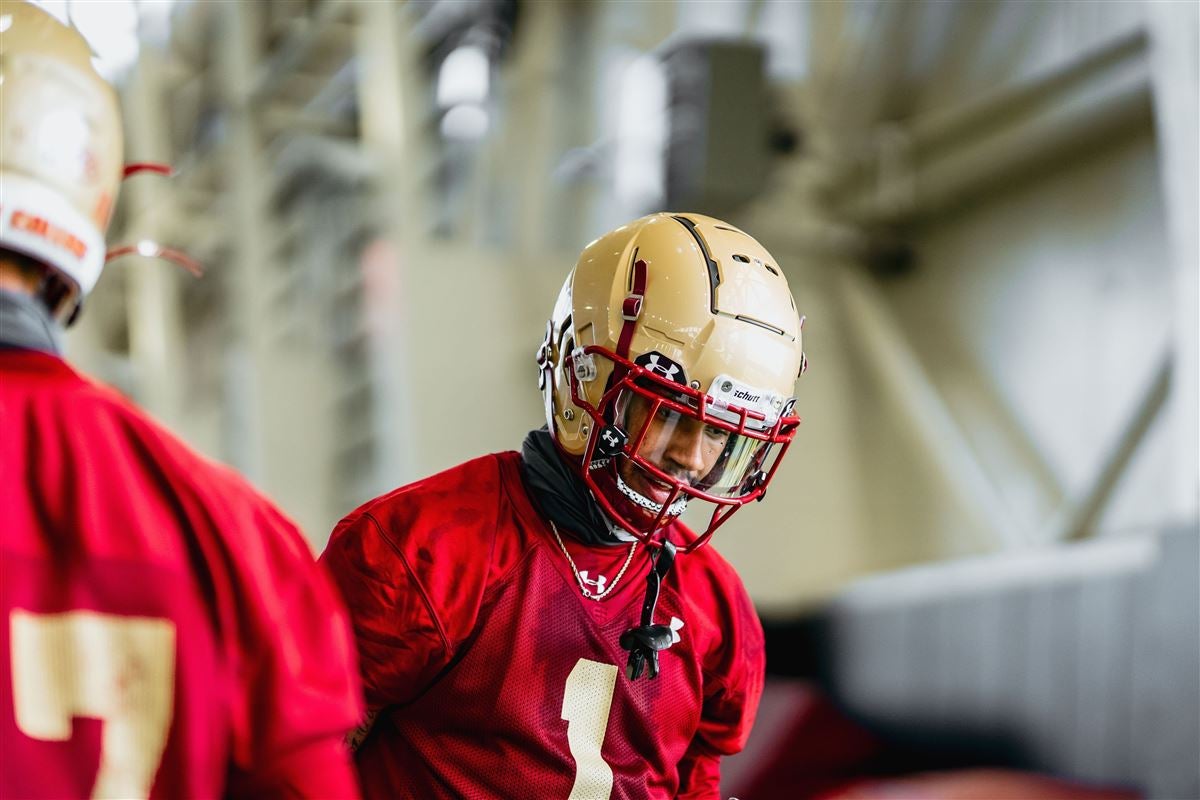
<point x="120" y="670"/>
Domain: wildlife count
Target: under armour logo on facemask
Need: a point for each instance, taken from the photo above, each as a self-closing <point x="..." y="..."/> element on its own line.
<point x="661" y="365"/>
<point x="598" y="583"/>
<point x="611" y="441"/>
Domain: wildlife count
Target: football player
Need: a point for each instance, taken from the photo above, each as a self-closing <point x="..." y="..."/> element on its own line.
<point x="542" y="624"/>
<point x="164" y="630"/>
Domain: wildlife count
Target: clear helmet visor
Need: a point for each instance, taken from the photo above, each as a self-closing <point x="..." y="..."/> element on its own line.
<point x="699" y="451"/>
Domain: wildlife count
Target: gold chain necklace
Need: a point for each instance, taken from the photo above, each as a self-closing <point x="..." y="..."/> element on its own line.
<point x="579" y="579"/>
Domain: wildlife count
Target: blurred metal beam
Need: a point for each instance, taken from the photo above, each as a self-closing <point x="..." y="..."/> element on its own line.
<point x="974" y="119"/>
<point x="871" y="88"/>
<point x="966" y="35"/>
<point x="270" y="75"/>
<point x="1176" y="69"/>
<point x="1076" y="519"/>
<point x="282" y="120"/>
<point x="826" y="48"/>
<point x="905" y="378"/>
<point x="957" y="153"/>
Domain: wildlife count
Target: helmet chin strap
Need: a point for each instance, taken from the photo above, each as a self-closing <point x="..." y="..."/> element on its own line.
<point x="646" y="640"/>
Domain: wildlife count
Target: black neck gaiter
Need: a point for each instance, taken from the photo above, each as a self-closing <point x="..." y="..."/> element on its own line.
<point x="561" y="495"/>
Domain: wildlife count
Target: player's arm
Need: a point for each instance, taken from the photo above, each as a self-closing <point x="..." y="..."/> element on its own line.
<point x="733" y="685"/>
<point x="725" y="721"/>
<point x="699" y="773"/>
<point x="401" y="643"/>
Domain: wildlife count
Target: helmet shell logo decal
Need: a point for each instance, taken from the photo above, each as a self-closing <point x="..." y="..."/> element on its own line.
<point x="662" y="366"/>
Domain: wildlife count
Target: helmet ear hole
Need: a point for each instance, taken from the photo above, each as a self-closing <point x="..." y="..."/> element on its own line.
<point x="564" y="372"/>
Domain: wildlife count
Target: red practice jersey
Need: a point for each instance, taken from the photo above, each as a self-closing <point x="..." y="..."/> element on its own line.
<point x="497" y="678"/>
<point x="165" y="630"/>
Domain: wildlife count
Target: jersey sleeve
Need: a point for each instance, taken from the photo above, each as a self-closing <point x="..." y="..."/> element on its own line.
<point x="299" y="693"/>
<point x="733" y="685"/>
<point x="401" y="642"/>
<point x="412" y="567"/>
<point x="699" y="774"/>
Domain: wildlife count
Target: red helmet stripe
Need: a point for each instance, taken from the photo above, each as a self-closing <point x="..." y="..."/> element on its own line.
<point x="631" y="309"/>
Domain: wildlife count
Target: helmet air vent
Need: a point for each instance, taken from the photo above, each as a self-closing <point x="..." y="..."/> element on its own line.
<point x="760" y="323"/>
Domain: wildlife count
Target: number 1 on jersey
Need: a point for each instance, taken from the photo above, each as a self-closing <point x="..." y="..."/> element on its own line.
<point x="587" y="701"/>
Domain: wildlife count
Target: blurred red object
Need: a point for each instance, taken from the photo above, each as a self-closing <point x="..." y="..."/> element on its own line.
<point x="976" y="784"/>
<point x="806" y="748"/>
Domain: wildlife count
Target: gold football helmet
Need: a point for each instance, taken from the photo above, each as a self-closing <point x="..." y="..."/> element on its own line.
<point x="668" y="369"/>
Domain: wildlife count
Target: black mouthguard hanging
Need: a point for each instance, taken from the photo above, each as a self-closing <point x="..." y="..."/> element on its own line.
<point x="645" y="641"/>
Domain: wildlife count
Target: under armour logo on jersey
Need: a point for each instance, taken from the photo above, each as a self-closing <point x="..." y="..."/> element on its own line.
<point x="676" y="624"/>
<point x="661" y="365"/>
<point x="598" y="583"/>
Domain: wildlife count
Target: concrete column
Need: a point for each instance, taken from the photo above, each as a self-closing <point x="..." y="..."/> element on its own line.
<point x="391" y="118"/>
<point x="156" y="333"/>
<point x="247" y="181"/>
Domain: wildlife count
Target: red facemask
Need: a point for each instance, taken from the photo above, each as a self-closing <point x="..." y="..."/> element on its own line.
<point x="657" y="444"/>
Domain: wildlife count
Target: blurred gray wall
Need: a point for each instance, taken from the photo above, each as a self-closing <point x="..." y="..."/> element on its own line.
<point x="1084" y="662"/>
